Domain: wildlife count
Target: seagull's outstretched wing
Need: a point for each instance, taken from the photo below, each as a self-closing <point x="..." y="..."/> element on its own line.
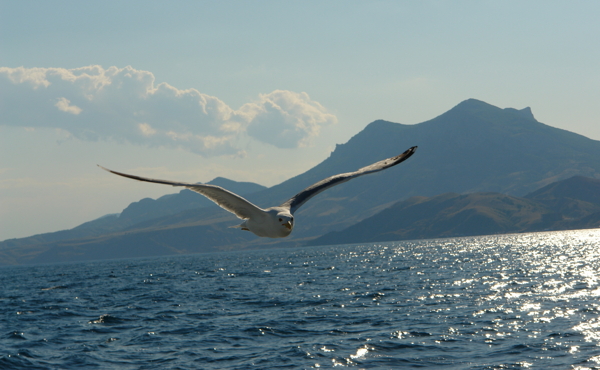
<point x="224" y="198"/>
<point x="299" y="199"/>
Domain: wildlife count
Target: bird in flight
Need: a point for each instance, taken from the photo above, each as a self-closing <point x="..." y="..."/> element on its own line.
<point x="273" y="222"/>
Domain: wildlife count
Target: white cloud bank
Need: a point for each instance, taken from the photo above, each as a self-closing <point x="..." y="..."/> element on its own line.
<point x="123" y="104"/>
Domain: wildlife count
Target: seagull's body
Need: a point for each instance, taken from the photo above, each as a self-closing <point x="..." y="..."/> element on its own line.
<point x="274" y="222"/>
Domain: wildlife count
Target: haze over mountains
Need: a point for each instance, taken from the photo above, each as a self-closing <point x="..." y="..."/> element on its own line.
<point x="473" y="148"/>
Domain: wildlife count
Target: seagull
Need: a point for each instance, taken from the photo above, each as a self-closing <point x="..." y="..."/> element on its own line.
<point x="273" y="222"/>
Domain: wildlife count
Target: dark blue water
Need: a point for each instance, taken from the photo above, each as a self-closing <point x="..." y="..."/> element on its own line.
<point x="498" y="302"/>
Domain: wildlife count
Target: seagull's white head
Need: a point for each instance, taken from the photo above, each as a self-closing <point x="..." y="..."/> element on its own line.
<point x="286" y="220"/>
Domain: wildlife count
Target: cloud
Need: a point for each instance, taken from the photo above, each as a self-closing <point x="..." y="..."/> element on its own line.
<point x="63" y="105"/>
<point x="146" y="129"/>
<point x="286" y="119"/>
<point x="125" y="104"/>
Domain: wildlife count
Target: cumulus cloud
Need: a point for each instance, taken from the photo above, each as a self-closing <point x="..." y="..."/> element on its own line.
<point x="125" y="104"/>
<point x="63" y="105"/>
<point x="285" y="119"/>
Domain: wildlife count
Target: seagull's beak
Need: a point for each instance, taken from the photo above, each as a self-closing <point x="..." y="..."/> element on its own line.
<point x="288" y="225"/>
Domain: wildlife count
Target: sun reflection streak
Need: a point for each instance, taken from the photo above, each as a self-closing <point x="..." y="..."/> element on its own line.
<point x="554" y="267"/>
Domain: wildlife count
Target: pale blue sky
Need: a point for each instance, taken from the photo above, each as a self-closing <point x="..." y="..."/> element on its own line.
<point x="330" y="67"/>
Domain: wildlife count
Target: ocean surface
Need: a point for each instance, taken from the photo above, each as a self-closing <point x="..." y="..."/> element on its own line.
<point x="492" y="302"/>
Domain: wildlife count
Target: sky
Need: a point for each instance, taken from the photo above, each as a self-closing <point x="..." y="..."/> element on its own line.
<point x="256" y="91"/>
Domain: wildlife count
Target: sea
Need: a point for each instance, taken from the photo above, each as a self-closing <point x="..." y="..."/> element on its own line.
<point x="519" y="301"/>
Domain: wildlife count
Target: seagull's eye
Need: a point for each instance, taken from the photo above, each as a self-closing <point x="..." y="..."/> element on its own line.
<point x="280" y="220"/>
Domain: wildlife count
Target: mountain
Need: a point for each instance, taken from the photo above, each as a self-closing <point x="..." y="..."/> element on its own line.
<point x="575" y="197"/>
<point x="474" y="147"/>
<point x="137" y="213"/>
<point x="568" y="204"/>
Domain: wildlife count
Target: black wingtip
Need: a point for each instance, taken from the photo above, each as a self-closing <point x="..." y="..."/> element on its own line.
<point x="404" y="156"/>
<point x="410" y="151"/>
